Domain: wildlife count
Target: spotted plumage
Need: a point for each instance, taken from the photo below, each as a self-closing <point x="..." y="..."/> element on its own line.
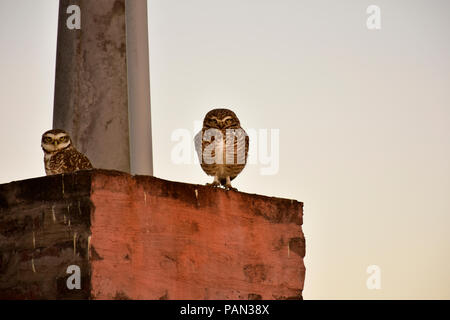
<point x="222" y="146"/>
<point x="60" y="156"/>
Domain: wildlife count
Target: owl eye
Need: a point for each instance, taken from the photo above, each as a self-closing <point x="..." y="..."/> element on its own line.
<point x="63" y="139"/>
<point x="47" y="139"/>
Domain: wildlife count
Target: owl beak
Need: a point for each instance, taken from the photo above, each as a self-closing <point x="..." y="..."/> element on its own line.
<point x="55" y="143"/>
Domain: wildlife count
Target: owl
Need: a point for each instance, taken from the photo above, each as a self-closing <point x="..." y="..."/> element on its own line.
<point x="60" y="156"/>
<point x="222" y="147"/>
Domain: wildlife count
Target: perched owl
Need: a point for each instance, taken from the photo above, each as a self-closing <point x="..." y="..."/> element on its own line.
<point x="222" y="147"/>
<point x="60" y="156"/>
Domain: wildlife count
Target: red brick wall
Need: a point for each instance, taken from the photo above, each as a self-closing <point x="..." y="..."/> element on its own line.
<point x="146" y="238"/>
<point x="155" y="239"/>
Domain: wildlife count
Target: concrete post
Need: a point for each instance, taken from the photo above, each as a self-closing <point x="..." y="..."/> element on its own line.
<point x="138" y="87"/>
<point x="91" y="80"/>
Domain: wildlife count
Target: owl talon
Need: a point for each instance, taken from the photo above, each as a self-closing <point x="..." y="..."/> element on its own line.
<point x="229" y="187"/>
<point x="214" y="184"/>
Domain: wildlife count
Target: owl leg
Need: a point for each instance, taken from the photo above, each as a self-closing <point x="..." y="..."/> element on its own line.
<point x="228" y="185"/>
<point x="215" y="183"/>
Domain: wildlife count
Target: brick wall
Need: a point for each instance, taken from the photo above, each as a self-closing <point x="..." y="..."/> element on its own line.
<point x="140" y="237"/>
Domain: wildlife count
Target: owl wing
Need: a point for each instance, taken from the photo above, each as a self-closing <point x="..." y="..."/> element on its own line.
<point x="241" y="145"/>
<point x="71" y="160"/>
<point x="83" y="161"/>
<point x="201" y="144"/>
<point x="198" y="145"/>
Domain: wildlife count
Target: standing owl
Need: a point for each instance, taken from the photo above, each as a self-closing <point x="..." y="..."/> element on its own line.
<point x="60" y="156"/>
<point x="222" y="147"/>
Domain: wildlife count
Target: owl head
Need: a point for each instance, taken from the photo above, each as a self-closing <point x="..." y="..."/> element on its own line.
<point x="221" y="119"/>
<point x="55" y="140"/>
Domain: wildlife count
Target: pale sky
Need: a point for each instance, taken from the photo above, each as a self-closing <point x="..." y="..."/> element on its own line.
<point x="363" y="119"/>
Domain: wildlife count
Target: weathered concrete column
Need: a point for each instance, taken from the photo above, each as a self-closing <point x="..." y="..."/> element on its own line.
<point x="91" y="81"/>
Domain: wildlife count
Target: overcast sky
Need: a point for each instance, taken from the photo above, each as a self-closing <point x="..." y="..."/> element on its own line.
<point x="363" y="119"/>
